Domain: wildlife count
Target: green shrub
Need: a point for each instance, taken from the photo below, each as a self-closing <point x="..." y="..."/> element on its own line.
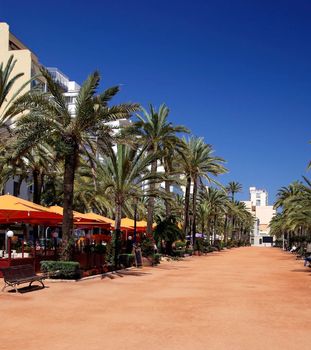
<point x="189" y="251"/>
<point x="180" y="253"/>
<point x="180" y="245"/>
<point x="127" y="260"/>
<point x="147" y="247"/>
<point x="61" y="269"/>
<point x="199" y="245"/>
<point x="157" y="258"/>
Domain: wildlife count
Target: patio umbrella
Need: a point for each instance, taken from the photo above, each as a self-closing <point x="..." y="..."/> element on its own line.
<point x="14" y="209"/>
<point x="94" y="216"/>
<point x="81" y="220"/>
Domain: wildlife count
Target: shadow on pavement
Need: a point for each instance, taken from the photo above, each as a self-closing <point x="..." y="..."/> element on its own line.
<point x="124" y="273"/>
<point x="27" y="289"/>
<point x="306" y="269"/>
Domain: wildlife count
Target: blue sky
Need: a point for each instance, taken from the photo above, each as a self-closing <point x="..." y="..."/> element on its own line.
<point x="237" y="73"/>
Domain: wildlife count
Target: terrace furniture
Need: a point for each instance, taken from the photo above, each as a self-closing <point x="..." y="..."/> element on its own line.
<point x="307" y="261"/>
<point x="16" y="275"/>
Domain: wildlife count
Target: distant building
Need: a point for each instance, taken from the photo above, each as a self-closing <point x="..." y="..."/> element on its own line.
<point x="258" y="197"/>
<point x="263" y="213"/>
<point x="71" y="88"/>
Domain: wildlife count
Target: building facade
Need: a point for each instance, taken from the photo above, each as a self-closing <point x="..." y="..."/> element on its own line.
<point x="28" y="64"/>
<point x="263" y="213"/>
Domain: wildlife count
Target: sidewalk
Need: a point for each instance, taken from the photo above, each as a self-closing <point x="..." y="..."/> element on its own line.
<point x="245" y="298"/>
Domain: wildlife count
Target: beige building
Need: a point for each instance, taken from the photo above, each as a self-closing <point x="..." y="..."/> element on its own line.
<point x="26" y="61"/>
<point x="28" y="64"/>
<point x="263" y="213"/>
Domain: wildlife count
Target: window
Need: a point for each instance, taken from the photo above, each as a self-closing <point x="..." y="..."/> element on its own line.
<point x="258" y="202"/>
<point x="257" y="195"/>
<point x="70" y="99"/>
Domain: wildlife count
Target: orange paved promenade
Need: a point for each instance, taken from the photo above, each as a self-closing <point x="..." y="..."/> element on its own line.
<point x="246" y="298"/>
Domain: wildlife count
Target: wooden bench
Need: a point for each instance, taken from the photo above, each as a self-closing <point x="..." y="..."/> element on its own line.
<point x="16" y="275"/>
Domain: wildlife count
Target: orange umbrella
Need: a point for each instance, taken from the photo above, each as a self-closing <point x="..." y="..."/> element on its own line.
<point x="14" y="209"/>
<point x="94" y="216"/>
<point x="80" y="219"/>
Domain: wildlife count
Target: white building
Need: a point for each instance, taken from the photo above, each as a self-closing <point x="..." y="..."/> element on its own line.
<point x="71" y="88"/>
<point x="263" y="213"/>
<point x="258" y="197"/>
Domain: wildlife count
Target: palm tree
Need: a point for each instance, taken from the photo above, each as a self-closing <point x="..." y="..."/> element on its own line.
<point x="34" y="165"/>
<point x="123" y="174"/>
<point x="7" y="82"/>
<point x="159" y="135"/>
<point x="198" y="163"/>
<point x="81" y="135"/>
<point x="232" y="188"/>
<point x="294" y="203"/>
<point x="213" y="203"/>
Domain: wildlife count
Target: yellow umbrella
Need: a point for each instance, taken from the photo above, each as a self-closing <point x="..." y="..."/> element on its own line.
<point x="94" y="216"/>
<point x="14" y="209"/>
<point x="80" y="219"/>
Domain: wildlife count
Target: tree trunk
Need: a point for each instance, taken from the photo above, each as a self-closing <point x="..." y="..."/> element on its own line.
<point x="194" y="209"/>
<point x="67" y="226"/>
<point x="225" y="229"/>
<point x="118" y="216"/>
<point x="38" y="179"/>
<point x="187" y="204"/>
<point x="19" y="184"/>
<point x="215" y="222"/>
<point x="36" y="184"/>
<point x="117" y="234"/>
<point x="168" y="209"/>
<point x="150" y="207"/>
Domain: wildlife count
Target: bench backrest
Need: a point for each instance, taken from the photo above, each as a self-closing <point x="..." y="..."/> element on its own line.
<point x="14" y="273"/>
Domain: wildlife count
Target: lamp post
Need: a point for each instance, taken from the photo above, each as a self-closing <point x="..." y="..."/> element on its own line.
<point x="9" y="235"/>
<point x="135" y="220"/>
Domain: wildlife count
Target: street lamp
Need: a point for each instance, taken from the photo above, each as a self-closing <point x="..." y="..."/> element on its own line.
<point x="135" y="220"/>
<point x="9" y="235"/>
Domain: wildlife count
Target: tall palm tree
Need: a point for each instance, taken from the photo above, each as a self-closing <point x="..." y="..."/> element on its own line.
<point x="33" y="165"/>
<point x="123" y="174"/>
<point x="214" y="202"/>
<point x="232" y="188"/>
<point x="82" y="135"/>
<point x="159" y="135"/>
<point x="198" y="163"/>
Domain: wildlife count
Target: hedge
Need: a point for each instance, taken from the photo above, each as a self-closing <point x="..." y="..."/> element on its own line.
<point x="61" y="269"/>
<point x="157" y="258"/>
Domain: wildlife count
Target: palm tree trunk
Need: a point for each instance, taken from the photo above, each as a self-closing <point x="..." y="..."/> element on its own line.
<point x="150" y="207"/>
<point x="187" y="204"/>
<point x="36" y="185"/>
<point x="19" y="184"/>
<point x="215" y="222"/>
<point x="118" y="216"/>
<point x="168" y="210"/>
<point x="117" y="234"/>
<point x="67" y="226"/>
<point x="38" y="179"/>
<point x="194" y="208"/>
<point x="225" y="229"/>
